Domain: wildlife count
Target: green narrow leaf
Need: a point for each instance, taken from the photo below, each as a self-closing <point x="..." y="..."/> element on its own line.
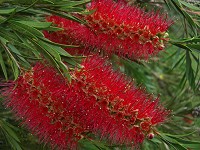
<point x="14" y="50"/>
<point x="12" y="38"/>
<point x="197" y="69"/>
<point x="195" y="39"/>
<point x="189" y="70"/>
<point x="195" y="58"/>
<point x="86" y="12"/>
<point x="36" y="24"/>
<point x="178" y="62"/>
<point x="188" y="40"/>
<point x="9" y="130"/>
<point x="25" y="29"/>
<point x="182" y="82"/>
<point x="65" y="70"/>
<point x="189" y="5"/>
<point x="14" y="64"/>
<point x="194" y="46"/>
<point x="45" y="53"/>
<point x="3" y="66"/>
<point x="166" y="2"/>
<point x="189" y="19"/>
<point x="57" y="44"/>
<point x="3" y="40"/>
<point x="61" y="51"/>
<point x="31" y="5"/>
<point x="65" y="15"/>
<point x="2" y="19"/>
<point x="55" y="63"/>
<point x="191" y="22"/>
<point x="9" y="17"/>
<point x="51" y="28"/>
<point x="14" y="144"/>
<point x="194" y="145"/>
<point x="49" y="1"/>
<point x="28" y="45"/>
<point x="72" y="62"/>
<point x="14" y="68"/>
<point x="173" y="142"/>
<point x="72" y="9"/>
<point x="50" y="50"/>
<point x="92" y="145"/>
<point x="72" y="3"/>
<point x="181" y="46"/>
<point x="181" y="135"/>
<point x="6" y="11"/>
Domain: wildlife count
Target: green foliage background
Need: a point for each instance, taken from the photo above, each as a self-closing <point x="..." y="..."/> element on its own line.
<point x="174" y="74"/>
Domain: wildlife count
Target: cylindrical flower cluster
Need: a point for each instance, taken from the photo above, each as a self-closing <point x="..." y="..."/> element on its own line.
<point x="99" y="101"/>
<point x="38" y="98"/>
<point x="117" y="28"/>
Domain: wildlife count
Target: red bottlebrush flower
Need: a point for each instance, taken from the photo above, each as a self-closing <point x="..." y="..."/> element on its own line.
<point x="98" y="100"/>
<point x="37" y="97"/>
<point x="125" y="114"/>
<point x="117" y="28"/>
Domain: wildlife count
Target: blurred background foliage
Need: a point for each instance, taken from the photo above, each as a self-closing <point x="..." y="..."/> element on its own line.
<point x="173" y="74"/>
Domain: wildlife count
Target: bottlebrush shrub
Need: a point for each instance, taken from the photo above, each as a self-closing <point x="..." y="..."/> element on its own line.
<point x="117" y="28"/>
<point x="99" y="100"/>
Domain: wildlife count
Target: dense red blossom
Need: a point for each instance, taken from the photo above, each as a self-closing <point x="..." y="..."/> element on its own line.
<point x="116" y="28"/>
<point x="121" y="112"/>
<point x="38" y="98"/>
<point x="99" y="100"/>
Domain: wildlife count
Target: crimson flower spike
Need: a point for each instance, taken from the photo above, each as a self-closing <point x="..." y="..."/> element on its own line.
<point x="117" y="28"/>
<point x="120" y="111"/>
<point x="99" y="100"/>
<point x="38" y="98"/>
